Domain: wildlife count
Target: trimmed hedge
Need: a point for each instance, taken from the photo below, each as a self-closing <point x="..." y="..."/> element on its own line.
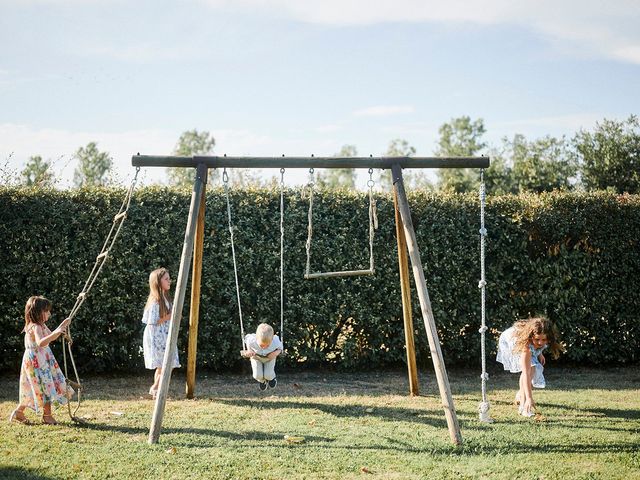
<point x="575" y="257"/>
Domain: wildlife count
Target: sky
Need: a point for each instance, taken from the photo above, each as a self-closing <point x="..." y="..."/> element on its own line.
<point x="295" y="77"/>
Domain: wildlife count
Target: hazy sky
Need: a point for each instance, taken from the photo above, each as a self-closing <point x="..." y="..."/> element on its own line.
<point x="295" y="77"/>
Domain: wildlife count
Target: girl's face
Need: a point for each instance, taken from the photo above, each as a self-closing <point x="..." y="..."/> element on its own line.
<point x="45" y="316"/>
<point x="165" y="282"/>
<point x="539" y="340"/>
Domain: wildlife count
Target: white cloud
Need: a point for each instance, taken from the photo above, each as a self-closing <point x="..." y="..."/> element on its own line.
<point x="592" y="27"/>
<point x="383" y="110"/>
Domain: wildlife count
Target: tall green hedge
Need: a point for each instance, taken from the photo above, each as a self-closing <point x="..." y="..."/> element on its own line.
<point x="575" y="257"/>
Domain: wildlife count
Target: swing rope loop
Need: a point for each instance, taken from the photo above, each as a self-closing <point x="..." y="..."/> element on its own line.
<point x="116" y="226"/>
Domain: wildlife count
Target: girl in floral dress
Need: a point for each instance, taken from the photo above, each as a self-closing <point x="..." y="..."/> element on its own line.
<point x="41" y="381"/>
<point x="156" y="316"/>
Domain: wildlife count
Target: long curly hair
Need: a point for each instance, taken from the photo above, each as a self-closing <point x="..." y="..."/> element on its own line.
<point x="525" y="330"/>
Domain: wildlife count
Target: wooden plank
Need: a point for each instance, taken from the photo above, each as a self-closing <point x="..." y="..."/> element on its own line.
<point x="310" y="162"/>
<point x="405" y="287"/>
<point x="345" y="273"/>
<point x="425" y="306"/>
<point x="174" y="327"/>
<point x="194" y="314"/>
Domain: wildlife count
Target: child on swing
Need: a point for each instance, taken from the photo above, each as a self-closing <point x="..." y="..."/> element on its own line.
<point x="156" y="317"/>
<point x="520" y="350"/>
<point x="263" y="347"/>
<point x="41" y="380"/>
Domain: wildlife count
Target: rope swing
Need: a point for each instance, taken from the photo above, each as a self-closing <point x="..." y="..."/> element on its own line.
<point x="118" y="221"/>
<point x="373" y="226"/>
<point x="225" y="181"/>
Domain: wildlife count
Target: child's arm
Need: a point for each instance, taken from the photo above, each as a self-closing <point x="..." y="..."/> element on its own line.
<point x="274" y="354"/>
<point x="525" y="363"/>
<point x="541" y="359"/>
<point x="43" y="340"/>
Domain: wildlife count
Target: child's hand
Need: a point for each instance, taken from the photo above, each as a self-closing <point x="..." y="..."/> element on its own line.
<point x="62" y="328"/>
<point x="541" y="359"/>
<point x="528" y="406"/>
<point x="247" y="353"/>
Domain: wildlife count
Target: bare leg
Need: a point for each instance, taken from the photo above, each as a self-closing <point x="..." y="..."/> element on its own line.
<point x="46" y="415"/>
<point x="18" y="415"/>
<point x="156" y="382"/>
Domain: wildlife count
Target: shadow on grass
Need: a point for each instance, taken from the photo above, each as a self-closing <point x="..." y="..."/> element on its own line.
<point x="211" y="438"/>
<point x="358" y="411"/>
<point x="21" y="474"/>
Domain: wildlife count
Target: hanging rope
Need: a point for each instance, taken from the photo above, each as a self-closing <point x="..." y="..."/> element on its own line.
<point x="282" y="256"/>
<point x="373" y="218"/>
<point x="310" y="222"/>
<point x="225" y="181"/>
<point x="373" y="226"/>
<point x="484" y="406"/>
<point x="116" y="226"/>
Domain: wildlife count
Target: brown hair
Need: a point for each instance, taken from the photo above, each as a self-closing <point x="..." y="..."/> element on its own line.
<point x="526" y="329"/>
<point x="155" y="291"/>
<point x="34" y="309"/>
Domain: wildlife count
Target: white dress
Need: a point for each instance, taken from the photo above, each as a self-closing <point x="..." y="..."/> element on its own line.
<point x="511" y="360"/>
<point x="155" y="338"/>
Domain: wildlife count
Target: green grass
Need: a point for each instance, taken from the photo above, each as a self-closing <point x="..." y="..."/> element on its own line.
<point x="350" y="422"/>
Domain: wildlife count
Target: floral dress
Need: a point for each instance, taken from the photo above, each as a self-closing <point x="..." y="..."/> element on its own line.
<point x="41" y="380"/>
<point x="154" y="340"/>
<point x="511" y="360"/>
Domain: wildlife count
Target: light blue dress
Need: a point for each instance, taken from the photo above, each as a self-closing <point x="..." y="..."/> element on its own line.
<point x="155" y="338"/>
<point x="511" y="360"/>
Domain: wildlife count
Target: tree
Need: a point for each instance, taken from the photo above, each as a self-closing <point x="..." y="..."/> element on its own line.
<point x="93" y="166"/>
<point x="37" y="172"/>
<point x="336" y="178"/>
<point x="460" y="138"/>
<point x="542" y="165"/>
<point x="189" y="144"/>
<point x="610" y="156"/>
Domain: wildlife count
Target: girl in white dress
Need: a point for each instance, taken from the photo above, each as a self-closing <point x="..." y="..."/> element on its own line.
<point x="520" y="350"/>
<point x="156" y="317"/>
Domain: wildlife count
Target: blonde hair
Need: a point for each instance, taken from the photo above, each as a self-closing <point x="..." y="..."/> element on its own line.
<point x="525" y="330"/>
<point x="264" y="333"/>
<point x="156" y="295"/>
<point x="34" y="309"/>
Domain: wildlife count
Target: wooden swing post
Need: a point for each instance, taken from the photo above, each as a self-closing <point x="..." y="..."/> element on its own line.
<point x="176" y="312"/>
<point x="194" y="313"/>
<point x="405" y="288"/>
<point x="425" y="306"/>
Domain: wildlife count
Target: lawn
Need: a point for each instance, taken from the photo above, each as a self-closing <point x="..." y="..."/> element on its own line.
<point x="354" y="426"/>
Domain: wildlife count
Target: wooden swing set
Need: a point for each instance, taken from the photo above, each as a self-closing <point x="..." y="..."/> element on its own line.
<point x="406" y="242"/>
